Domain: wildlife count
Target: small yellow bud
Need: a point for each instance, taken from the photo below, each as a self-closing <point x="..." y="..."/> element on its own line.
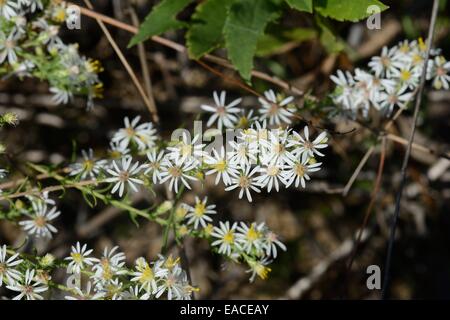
<point x="47" y="260"/>
<point x="164" y="207"/>
<point x="10" y="118"/>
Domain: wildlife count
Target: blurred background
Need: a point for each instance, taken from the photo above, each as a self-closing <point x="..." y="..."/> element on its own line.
<point x="317" y="224"/>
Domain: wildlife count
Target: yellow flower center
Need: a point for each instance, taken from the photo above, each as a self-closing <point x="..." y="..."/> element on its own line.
<point x="273" y="170"/>
<point x="130" y="132"/>
<point x="252" y="234"/>
<point x="88" y="165"/>
<point x="147" y="274"/>
<point x="124" y="175"/>
<point x="300" y="169"/>
<point x="221" y="166"/>
<point x="262" y="271"/>
<point x="405" y="75"/>
<point x="40" y="221"/>
<point x="77" y="257"/>
<point x="199" y="209"/>
<point x="186" y="150"/>
<point x="175" y="172"/>
<point x="60" y="15"/>
<point x="228" y="237"/>
<point x="244" y="182"/>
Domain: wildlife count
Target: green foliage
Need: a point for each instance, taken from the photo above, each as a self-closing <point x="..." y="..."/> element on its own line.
<point x="269" y="44"/>
<point x="240" y="25"/>
<point x="344" y="10"/>
<point x="301" y="5"/>
<point x="205" y="33"/>
<point x="161" y="19"/>
<point x="244" y="25"/>
<point x="327" y="37"/>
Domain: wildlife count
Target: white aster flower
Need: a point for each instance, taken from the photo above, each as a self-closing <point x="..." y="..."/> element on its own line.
<point x="79" y="258"/>
<point x="259" y="268"/>
<point x="125" y="174"/>
<point x="271" y="242"/>
<point x="394" y="97"/>
<point x="223" y="167"/>
<point x="173" y="283"/>
<point x="8" y="266"/>
<point x="345" y="87"/>
<point x="147" y="276"/>
<point x="144" y="135"/>
<point x="88" y="166"/>
<point x="8" y="47"/>
<point x="154" y="164"/>
<point x="271" y="173"/>
<point x="198" y="215"/>
<point x="225" y="237"/>
<point x="408" y="76"/>
<point x="250" y="237"/>
<point x="306" y="148"/>
<point x="245" y="181"/>
<point x="243" y="153"/>
<point x="176" y="172"/>
<point x="439" y="71"/>
<point x="187" y="150"/>
<point x="8" y="9"/>
<point x="61" y="96"/>
<point x="275" y="109"/>
<point x="118" y="150"/>
<point x="28" y="287"/>
<point x="111" y="264"/>
<point x="275" y="148"/>
<point x="225" y="114"/>
<point x="246" y="119"/>
<point x="297" y="173"/>
<point x="39" y="223"/>
<point x="383" y="65"/>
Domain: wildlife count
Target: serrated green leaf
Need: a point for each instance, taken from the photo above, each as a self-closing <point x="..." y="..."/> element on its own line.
<point x="205" y="34"/>
<point x="345" y="10"/>
<point x="161" y="19"/>
<point x="244" y="25"/>
<point x="301" y="5"/>
<point x="328" y="39"/>
<point x="269" y="44"/>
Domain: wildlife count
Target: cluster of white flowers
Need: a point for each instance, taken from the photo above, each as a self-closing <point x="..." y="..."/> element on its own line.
<point x="108" y="276"/>
<point x="258" y="157"/>
<point x="391" y="81"/>
<point x="27" y="284"/>
<point x="30" y="46"/>
<point x="254" y="243"/>
<point x="89" y="278"/>
<point x="275" y="109"/>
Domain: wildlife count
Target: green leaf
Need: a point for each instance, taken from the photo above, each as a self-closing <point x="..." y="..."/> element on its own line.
<point x="328" y="39"/>
<point x="205" y="34"/>
<point x="341" y="10"/>
<point x="244" y="25"/>
<point x="161" y="19"/>
<point x="301" y="5"/>
<point x="270" y="44"/>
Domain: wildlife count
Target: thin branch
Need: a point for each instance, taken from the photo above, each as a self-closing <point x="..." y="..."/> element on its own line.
<point x="151" y="107"/>
<point x="358" y="170"/>
<point x="143" y="62"/>
<point x="375" y="191"/>
<point x="387" y="265"/>
<point x="48" y="189"/>
<point x="417" y="146"/>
